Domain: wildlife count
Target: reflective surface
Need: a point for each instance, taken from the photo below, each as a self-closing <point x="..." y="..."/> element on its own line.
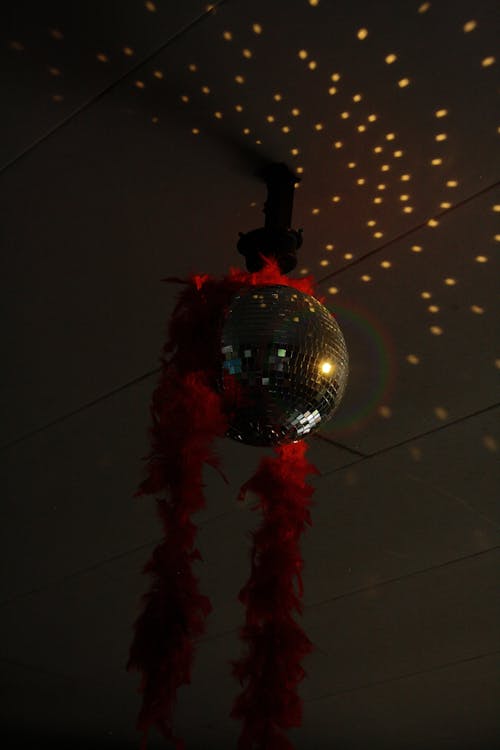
<point x="289" y="359"/>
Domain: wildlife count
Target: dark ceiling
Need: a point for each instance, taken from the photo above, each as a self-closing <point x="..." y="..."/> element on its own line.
<point x="131" y="132"/>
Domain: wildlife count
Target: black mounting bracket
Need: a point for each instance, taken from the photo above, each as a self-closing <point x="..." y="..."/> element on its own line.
<point x="275" y="239"/>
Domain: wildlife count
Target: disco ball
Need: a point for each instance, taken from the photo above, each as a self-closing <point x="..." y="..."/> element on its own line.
<point x="289" y="364"/>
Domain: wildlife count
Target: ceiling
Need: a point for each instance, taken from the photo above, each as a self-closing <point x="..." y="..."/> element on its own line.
<point x="130" y="136"/>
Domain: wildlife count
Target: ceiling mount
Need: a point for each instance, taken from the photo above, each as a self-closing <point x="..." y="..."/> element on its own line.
<point x="276" y="239"/>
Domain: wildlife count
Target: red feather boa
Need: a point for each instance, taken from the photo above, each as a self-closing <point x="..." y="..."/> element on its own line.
<point x="272" y="668"/>
<point x="187" y="414"/>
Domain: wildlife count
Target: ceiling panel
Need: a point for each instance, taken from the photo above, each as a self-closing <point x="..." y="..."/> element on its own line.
<point x="420" y="329"/>
<point x="378" y="157"/>
<point x="56" y="57"/>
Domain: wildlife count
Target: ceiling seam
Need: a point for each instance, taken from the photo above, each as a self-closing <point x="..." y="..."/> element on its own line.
<point x="375" y="586"/>
<point x="414" y="437"/>
<point x="406" y="675"/>
<point x="408" y="232"/>
<point x="89" y="102"/>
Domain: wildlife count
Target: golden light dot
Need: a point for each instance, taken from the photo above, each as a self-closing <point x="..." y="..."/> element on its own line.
<point x="445" y="204"/>
<point x="433" y="308"/>
<point x="335" y="77"/>
<point x="357" y="97"/>
<point x="497" y="363"/>
<point x="366" y="278"/>
<point x="318" y="126"/>
<point x="277" y="97"/>
<point x="314" y="3"/>
<point x="155" y="120"/>
<point x="426" y="295"/>
<point x="294" y="151"/>
<point x="424" y="7"/>
<point x="412" y="359"/>
<point x="441" y="412"/>
<point x="403" y="83"/>
<point x="391" y="58"/>
<point x="441" y="112"/>
<point x="481" y="259"/>
<point x="452" y="183"/>
<point x="477" y="309"/>
<point x="398" y="154"/>
<point x="496" y="207"/>
<point x="496" y="237"/>
<point x="487" y="61"/>
<point x="295" y="112"/>
<point x="417" y="249"/>
<point x="257" y="28"/>
<point x="327" y="368"/>
<point x="361" y="128"/>
<point x="238" y="108"/>
<point x="300" y="170"/>
<point x="324" y="262"/>
<point x="386" y="264"/>
<point x="184" y="98"/>
<point x="270" y="118"/>
<point x="246" y="131"/>
<point x="332" y="90"/>
<point x="371" y="223"/>
<point x="158" y="74"/>
<point x="362" y="34"/>
<point x="247" y="54"/>
<point x="348" y="256"/>
<point x="490" y="443"/>
<point x="436" y="330"/>
<point x="239" y="79"/>
<point x="192" y="68"/>
<point x="285" y="129"/>
<point x="390" y="136"/>
<point x="128" y="51"/>
<point x="205" y="89"/>
<point x="378" y="149"/>
<point x="150" y="6"/>
<point x="352" y="164"/>
<point x="372" y="118"/>
<point x="469" y="26"/>
<point x="303" y="272"/>
<point x="441" y="137"/>
<point x="336" y="199"/>
<point x="450" y="281"/>
<point x="344" y="115"/>
<point x="436" y="162"/>
<point x="378" y="235"/>
<point x="408" y="209"/>
<point x="195" y="131"/>
<point x="312" y="65"/>
<point x="361" y="181"/>
<point x="432" y="223"/>
<point x="385" y="412"/>
<point x="218" y="115"/>
<point x="338" y="144"/>
<point x="385" y="168"/>
<point x="405" y="177"/>
<point x="139" y="84"/>
<point x="378" y="199"/>
<point x="381" y="186"/>
<point x="303" y="54"/>
<point x="333" y="290"/>
<point x="102" y="57"/>
<point x="315" y="211"/>
<point x="227" y="36"/>
<point x="329" y="247"/>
